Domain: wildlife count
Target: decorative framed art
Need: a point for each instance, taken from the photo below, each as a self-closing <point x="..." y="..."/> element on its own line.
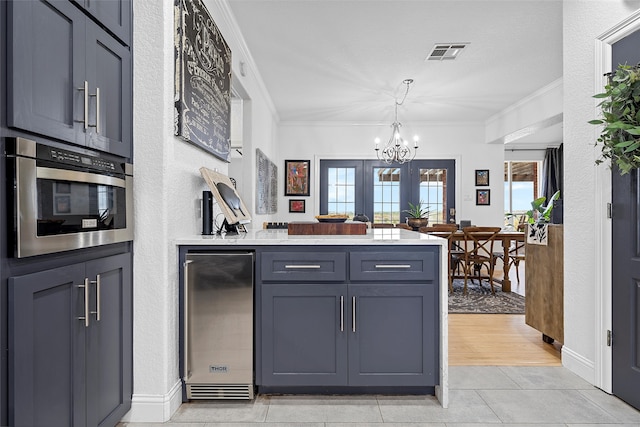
<point x="482" y="177"/>
<point x="483" y="197"/>
<point x="202" y="108"/>
<point x="296" y="205"/>
<point x="296" y="180"/>
<point x="266" y="184"/>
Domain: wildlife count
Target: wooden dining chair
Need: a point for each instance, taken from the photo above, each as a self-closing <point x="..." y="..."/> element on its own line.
<point x="478" y="247"/>
<point x="515" y="255"/>
<point x="454" y="253"/>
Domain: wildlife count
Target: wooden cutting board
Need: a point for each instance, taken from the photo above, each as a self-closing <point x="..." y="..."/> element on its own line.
<point x="327" y="228"/>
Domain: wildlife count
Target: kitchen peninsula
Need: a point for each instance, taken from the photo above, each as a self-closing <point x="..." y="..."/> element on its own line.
<point x="344" y="313"/>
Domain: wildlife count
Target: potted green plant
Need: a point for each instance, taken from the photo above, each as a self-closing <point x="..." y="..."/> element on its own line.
<point x="539" y="213"/>
<point x="539" y="217"/>
<point x="418" y="216"/>
<point x="620" y="107"/>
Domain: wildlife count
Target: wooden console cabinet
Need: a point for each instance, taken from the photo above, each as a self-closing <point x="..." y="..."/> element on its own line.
<point x="544" y="273"/>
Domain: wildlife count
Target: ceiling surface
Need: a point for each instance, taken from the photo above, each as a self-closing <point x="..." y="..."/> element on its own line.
<point x="345" y="60"/>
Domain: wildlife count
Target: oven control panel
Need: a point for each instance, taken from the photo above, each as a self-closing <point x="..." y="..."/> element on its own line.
<point x="58" y="155"/>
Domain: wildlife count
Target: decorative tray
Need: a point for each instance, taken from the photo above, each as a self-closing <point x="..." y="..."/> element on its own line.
<point x="331" y="218"/>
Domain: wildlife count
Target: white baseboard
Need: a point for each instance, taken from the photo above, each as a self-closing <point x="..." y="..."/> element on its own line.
<point x="578" y="364"/>
<point x="153" y="408"/>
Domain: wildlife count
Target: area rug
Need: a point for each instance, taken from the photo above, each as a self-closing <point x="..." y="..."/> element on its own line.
<point x="479" y="299"/>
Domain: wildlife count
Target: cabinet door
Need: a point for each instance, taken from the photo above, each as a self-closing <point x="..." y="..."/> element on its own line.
<point x="109" y="340"/>
<point x="113" y="14"/>
<point x="109" y="73"/>
<point x="46" y="348"/>
<point x="395" y="339"/>
<point x="302" y="339"/>
<point x="45" y="67"/>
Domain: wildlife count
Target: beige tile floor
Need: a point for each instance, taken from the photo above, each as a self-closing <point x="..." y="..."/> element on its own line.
<point x="479" y="395"/>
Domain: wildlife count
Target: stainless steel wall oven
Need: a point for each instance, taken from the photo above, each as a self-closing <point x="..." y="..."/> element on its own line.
<point x="64" y="199"/>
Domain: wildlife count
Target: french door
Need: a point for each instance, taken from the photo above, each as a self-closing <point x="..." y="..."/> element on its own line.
<point x="382" y="191"/>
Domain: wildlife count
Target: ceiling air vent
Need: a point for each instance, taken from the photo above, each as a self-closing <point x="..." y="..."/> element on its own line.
<point x="443" y="51"/>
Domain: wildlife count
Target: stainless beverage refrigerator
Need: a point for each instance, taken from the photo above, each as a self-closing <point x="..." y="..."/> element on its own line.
<point x="218" y="322"/>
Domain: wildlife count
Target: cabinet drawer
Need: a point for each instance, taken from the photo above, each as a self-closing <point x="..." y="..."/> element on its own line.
<point x="304" y="267"/>
<point x="393" y="266"/>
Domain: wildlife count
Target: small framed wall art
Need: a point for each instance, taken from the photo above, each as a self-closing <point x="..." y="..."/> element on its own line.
<point x="483" y="197"/>
<point x="296" y="205"/>
<point x="296" y="182"/>
<point x="482" y="177"/>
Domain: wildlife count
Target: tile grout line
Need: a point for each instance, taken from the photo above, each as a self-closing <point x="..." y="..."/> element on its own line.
<point x="598" y="405"/>
<point x="488" y="405"/>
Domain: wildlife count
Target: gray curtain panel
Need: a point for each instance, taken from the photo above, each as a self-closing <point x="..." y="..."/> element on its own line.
<point x="553" y="172"/>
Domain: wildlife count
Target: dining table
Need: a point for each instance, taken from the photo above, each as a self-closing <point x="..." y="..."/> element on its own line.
<point x="506" y="237"/>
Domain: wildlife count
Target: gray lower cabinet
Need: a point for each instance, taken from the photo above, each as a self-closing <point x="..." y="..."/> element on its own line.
<point x="70" y="344"/>
<point x="364" y="329"/>
<point x="68" y="78"/>
<point x="304" y="334"/>
<point x="392" y="335"/>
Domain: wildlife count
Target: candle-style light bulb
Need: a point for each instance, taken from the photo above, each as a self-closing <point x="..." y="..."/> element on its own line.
<point x="415" y="141"/>
<point x="376" y="141"/>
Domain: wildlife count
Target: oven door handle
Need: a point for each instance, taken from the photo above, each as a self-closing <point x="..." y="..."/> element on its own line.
<point x="69" y="175"/>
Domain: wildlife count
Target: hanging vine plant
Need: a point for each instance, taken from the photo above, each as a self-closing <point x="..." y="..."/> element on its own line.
<point x="620" y="107"/>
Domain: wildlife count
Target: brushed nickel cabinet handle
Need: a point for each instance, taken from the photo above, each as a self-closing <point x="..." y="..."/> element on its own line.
<point x="97" y="283"/>
<point x="393" y="266"/>
<point x="341" y="313"/>
<point x="301" y="266"/>
<point x="353" y="314"/>
<point x="97" y="95"/>
<point x="86" y="303"/>
<point x="85" y="114"/>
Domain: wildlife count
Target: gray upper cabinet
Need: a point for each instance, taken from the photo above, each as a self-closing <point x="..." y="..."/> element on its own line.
<point x="108" y="73"/>
<point x="113" y="14"/>
<point x="68" y="79"/>
<point x="70" y="344"/>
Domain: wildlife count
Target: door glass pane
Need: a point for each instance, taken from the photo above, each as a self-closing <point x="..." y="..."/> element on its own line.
<point x="433" y="194"/>
<point x="386" y="195"/>
<point x="341" y="191"/>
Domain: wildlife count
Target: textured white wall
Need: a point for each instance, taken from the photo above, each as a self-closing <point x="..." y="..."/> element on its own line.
<point x="167" y="189"/>
<point x="583" y="22"/>
<point x="463" y="142"/>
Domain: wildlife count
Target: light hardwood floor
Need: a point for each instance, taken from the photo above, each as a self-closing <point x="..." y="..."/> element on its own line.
<point x="499" y="339"/>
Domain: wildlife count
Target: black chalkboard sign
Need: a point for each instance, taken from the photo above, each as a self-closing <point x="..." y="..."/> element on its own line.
<point x="203" y="80"/>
